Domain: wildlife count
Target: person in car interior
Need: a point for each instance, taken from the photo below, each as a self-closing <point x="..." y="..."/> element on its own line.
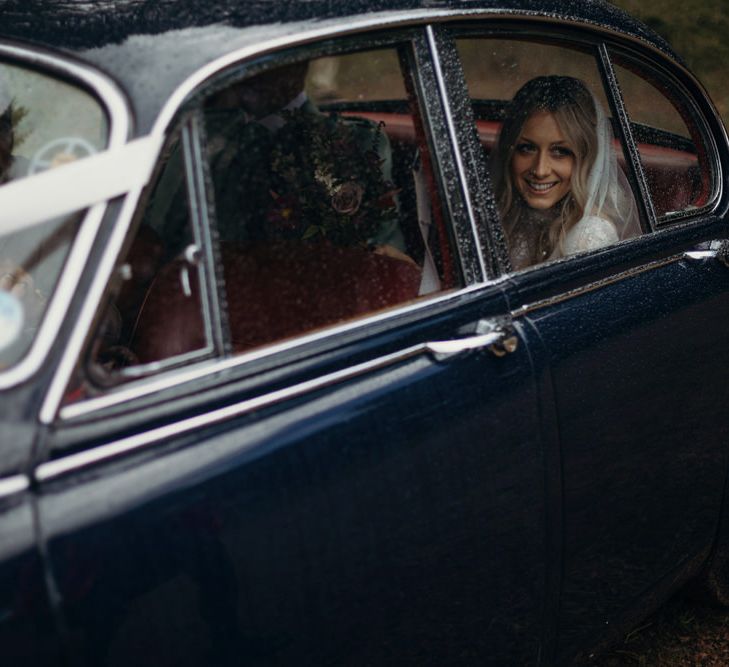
<point x="558" y="185"/>
<point x="246" y="124"/>
<point x="307" y="217"/>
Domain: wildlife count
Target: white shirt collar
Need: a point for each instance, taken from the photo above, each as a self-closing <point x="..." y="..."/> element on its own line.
<point x="275" y="121"/>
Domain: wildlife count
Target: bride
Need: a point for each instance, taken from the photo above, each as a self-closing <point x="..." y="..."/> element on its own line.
<point x="558" y="185"/>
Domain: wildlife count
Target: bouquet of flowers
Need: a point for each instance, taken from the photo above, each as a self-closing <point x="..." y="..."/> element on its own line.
<point x="327" y="180"/>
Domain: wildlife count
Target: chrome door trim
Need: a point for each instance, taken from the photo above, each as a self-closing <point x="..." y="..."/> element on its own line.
<point x="438" y="350"/>
<point x="115" y="105"/>
<point x="208" y="274"/>
<point x="708" y="134"/>
<point x="598" y="284"/>
<point x="185" y="375"/>
<point x="12" y="486"/>
<point x="631" y="154"/>
<point x="700" y="255"/>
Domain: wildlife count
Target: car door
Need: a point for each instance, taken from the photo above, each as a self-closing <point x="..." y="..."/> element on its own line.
<point x="367" y="492"/>
<point x="642" y="435"/>
<point x="633" y="336"/>
<point x="650" y="433"/>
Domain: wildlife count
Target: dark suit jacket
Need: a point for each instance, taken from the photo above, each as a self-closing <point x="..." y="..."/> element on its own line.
<point x="239" y="156"/>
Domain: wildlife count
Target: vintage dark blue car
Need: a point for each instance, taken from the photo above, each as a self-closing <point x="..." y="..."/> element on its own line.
<point x="274" y="389"/>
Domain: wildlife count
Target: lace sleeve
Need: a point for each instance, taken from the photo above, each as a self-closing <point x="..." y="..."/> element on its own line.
<point x="590" y="233"/>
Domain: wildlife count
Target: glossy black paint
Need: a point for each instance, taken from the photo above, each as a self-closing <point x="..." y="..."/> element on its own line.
<point x="26" y="616"/>
<point x="644" y="451"/>
<point x="61" y="23"/>
<point x="473" y="510"/>
<point x="140" y="43"/>
<point x="329" y="530"/>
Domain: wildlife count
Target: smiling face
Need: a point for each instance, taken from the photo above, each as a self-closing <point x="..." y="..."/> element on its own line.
<point x="542" y="162"/>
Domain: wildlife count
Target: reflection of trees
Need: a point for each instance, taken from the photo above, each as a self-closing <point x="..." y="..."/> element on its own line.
<point x="698" y="35"/>
<point x="19" y="112"/>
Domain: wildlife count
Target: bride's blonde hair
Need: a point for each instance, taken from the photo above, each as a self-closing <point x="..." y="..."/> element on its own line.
<point x="573" y="108"/>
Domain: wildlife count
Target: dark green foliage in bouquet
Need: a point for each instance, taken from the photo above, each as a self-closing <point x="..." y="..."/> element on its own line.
<point x="327" y="180"/>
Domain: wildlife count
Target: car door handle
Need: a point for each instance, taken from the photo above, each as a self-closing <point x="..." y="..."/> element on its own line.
<point x="718" y="250"/>
<point x="191" y="256"/>
<point x="500" y="339"/>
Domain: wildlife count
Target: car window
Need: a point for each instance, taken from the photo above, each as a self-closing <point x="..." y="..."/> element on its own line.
<point x="336" y="217"/>
<point x="162" y="264"/>
<point x="557" y="166"/>
<point x="44" y="123"/>
<point x="322" y="204"/>
<point x="671" y="146"/>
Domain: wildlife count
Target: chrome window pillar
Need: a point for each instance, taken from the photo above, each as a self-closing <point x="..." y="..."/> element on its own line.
<point x="635" y="169"/>
<point x="475" y="178"/>
<point x="210" y="272"/>
<point x="445" y="133"/>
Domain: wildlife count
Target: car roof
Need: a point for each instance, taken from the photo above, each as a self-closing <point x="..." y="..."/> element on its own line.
<point x="152" y="47"/>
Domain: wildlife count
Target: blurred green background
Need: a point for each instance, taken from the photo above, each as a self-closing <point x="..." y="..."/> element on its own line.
<point x="699" y="31"/>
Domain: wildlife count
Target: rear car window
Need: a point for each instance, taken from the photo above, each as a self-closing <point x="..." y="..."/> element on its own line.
<point x="45" y="122"/>
<point x="671" y="145"/>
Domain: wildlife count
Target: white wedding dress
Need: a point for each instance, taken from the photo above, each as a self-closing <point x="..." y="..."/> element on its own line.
<point x="590" y="233"/>
<point x="611" y="213"/>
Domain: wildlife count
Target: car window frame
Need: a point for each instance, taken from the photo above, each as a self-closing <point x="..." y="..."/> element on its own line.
<point x="203" y="264"/>
<point x="703" y="117"/>
<point x="208" y="373"/>
<point x="561" y="36"/>
<point x="257" y="366"/>
<point x="599" y="44"/>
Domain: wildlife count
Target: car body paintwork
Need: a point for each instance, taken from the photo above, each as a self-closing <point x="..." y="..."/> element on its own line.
<point x="469" y="509"/>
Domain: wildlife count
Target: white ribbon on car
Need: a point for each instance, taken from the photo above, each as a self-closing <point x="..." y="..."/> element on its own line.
<point x="77" y="185"/>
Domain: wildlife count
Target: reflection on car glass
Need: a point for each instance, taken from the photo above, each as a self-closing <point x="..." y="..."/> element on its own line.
<point x="323" y="216"/>
<point x="11" y="165"/>
<point x="669" y="142"/>
<point x="30" y="263"/>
